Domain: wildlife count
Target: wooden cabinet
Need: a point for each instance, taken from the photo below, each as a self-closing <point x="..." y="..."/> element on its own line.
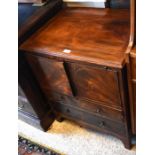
<point x="79" y="61"/>
<point x="84" y="93"/>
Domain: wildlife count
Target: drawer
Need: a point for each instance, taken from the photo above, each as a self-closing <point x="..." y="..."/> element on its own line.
<point x="90" y="119"/>
<point x="97" y="109"/>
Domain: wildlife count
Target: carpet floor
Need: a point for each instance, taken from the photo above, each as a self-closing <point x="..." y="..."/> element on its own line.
<point x="68" y="138"/>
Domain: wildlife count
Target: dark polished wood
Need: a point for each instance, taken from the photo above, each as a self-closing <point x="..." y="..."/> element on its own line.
<point x="81" y="60"/>
<point x="88" y="82"/>
<point x="50" y="75"/>
<point x="94" y="108"/>
<point x="131" y="65"/>
<point x="93" y="88"/>
<point x="99" y="122"/>
<point x="104" y="42"/>
<point x="33" y="107"/>
<point x="133" y="83"/>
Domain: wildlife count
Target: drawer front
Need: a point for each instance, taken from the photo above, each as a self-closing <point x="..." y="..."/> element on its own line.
<point x="95" y="84"/>
<point x="50" y="74"/>
<point x="93" y="120"/>
<point x="96" y="109"/>
<point x="133" y="67"/>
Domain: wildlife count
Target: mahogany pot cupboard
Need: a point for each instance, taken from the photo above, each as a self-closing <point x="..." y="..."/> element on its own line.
<point x="81" y="61"/>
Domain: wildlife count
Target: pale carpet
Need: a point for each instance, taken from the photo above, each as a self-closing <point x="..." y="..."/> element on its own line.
<point x="69" y="138"/>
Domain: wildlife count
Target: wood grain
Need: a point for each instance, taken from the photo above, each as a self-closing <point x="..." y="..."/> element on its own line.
<point x="104" y="42"/>
<point x="95" y="84"/>
<point x="50" y="75"/>
<point x="81" y="55"/>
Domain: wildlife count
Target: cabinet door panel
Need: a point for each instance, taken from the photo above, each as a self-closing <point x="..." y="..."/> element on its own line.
<point x="95" y="84"/>
<point x="50" y="74"/>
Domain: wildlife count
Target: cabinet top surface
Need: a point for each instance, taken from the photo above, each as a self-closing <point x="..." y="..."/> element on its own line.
<point x="98" y="36"/>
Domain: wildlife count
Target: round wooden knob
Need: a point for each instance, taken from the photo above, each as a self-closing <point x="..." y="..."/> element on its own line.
<point x="97" y="110"/>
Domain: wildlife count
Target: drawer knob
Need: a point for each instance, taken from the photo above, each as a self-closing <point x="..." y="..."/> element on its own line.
<point x="101" y="124"/>
<point x="97" y="110"/>
<point x="67" y="110"/>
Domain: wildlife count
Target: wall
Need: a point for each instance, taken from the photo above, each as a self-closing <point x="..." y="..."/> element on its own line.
<point x="85" y="3"/>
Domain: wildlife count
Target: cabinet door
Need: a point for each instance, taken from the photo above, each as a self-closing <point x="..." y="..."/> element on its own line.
<point x="95" y="84"/>
<point x="50" y="74"/>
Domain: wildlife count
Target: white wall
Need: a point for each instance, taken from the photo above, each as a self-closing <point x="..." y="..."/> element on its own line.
<point x="85" y="3"/>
